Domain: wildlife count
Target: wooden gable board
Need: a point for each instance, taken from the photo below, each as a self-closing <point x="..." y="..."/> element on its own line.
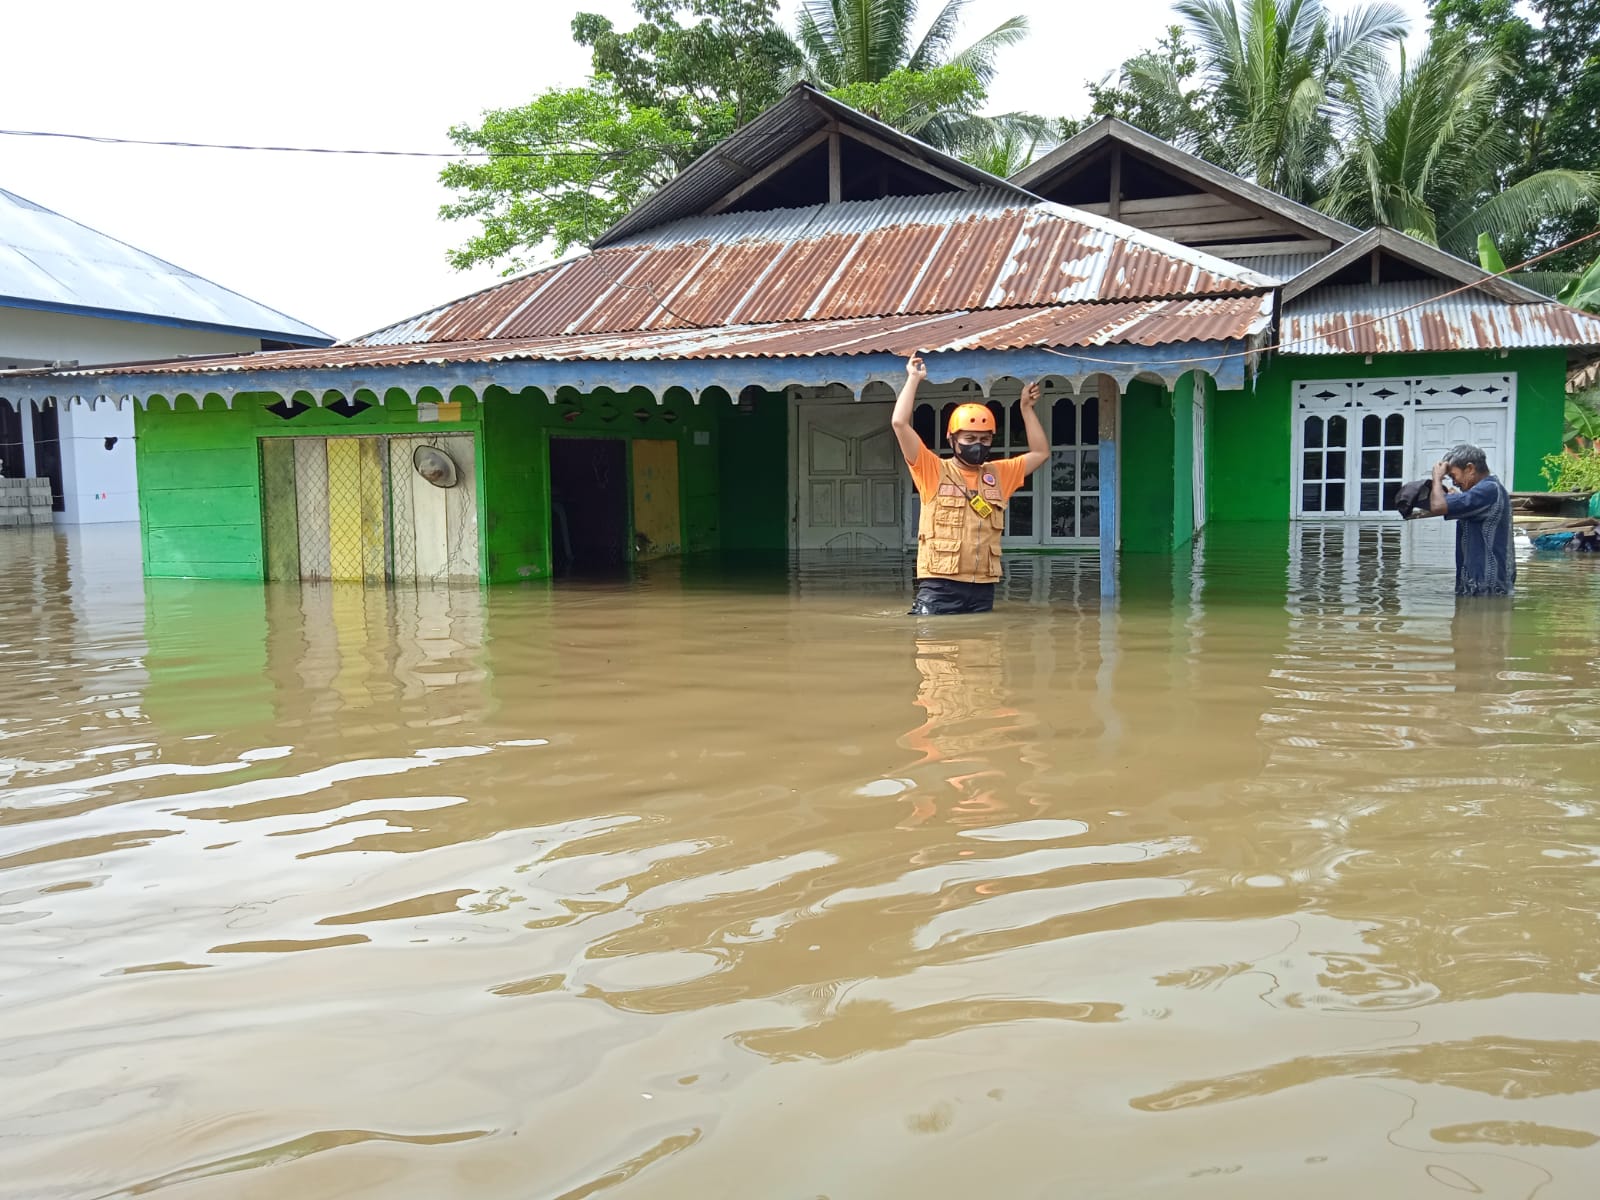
<point x="1219" y="211"/>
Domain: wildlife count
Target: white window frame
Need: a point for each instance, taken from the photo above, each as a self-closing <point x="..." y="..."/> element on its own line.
<point x="1355" y="399"/>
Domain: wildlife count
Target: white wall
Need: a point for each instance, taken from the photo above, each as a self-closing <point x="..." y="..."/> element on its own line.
<point x="99" y="484"/>
<point x="57" y="337"/>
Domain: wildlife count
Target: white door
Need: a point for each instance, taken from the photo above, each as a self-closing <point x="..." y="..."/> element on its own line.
<point x="850" y="475"/>
<point x="1433" y="542"/>
<point x="1438" y="430"/>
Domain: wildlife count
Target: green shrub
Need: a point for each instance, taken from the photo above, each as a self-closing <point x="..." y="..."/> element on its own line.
<point x="1573" y="471"/>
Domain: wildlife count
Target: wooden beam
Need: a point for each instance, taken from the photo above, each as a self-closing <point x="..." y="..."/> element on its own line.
<point x="1253" y="227"/>
<point x="835" y="183"/>
<point x="1181" y="204"/>
<point x="768" y="171"/>
<point x="1376" y="256"/>
<point x="1114" y="203"/>
<point x="1257" y="249"/>
<point x="910" y="160"/>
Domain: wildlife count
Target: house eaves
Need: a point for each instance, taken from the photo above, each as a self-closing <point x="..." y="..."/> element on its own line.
<point x="1412" y="317"/>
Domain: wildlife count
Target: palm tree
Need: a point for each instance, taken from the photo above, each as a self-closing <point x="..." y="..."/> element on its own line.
<point x="1002" y="151"/>
<point x="850" y="42"/>
<point x="1268" y="66"/>
<point x="1424" y="149"/>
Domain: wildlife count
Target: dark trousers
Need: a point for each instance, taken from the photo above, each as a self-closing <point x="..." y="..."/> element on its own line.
<point x="944" y="597"/>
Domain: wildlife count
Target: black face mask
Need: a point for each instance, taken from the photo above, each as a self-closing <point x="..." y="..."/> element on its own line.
<point x="974" y="454"/>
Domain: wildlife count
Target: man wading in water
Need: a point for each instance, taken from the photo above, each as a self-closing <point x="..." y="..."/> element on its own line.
<point x="963" y="498"/>
<point x="1486" y="565"/>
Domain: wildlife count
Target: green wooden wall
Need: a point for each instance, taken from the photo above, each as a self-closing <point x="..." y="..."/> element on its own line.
<point x="200" y="472"/>
<point x="753" y="464"/>
<point x="1250" y="433"/>
<point x="200" y="485"/>
<point x="1183" y="461"/>
<point x="1146" y="431"/>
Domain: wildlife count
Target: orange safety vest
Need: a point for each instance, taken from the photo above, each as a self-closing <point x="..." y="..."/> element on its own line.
<point x="953" y="541"/>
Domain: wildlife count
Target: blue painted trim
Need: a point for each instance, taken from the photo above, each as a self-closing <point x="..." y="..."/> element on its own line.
<point x="657" y="375"/>
<point x="133" y="318"/>
<point x="1108" y="518"/>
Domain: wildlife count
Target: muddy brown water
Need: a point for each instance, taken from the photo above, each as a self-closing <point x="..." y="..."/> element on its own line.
<point x="729" y="880"/>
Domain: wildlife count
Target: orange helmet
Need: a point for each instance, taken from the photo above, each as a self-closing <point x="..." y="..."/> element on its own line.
<point x="974" y="417"/>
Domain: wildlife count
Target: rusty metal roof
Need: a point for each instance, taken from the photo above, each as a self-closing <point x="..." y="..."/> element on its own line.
<point x="1406" y="317"/>
<point x="1127" y="322"/>
<point x="954" y="252"/>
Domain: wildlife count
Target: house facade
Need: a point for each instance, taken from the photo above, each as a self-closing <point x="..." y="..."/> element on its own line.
<point x="716" y="373"/>
<point x="72" y="295"/>
<point x="1386" y="351"/>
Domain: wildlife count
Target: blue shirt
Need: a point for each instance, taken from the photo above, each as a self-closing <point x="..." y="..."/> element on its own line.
<point x="1485" y="563"/>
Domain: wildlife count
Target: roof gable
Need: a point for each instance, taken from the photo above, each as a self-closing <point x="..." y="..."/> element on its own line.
<point x="1385" y="255"/>
<point x="52" y="263"/>
<point x="806" y="149"/>
<point x="1120" y="171"/>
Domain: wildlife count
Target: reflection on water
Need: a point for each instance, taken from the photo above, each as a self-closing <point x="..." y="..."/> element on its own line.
<point x="1279" y="878"/>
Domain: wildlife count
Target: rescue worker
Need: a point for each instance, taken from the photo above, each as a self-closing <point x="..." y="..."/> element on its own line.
<point x="963" y="498"/>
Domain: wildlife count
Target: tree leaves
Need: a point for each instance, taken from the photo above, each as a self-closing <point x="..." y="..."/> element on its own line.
<point x="572" y="161"/>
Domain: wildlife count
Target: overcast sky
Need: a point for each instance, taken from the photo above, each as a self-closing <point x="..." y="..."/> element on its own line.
<point x="345" y="243"/>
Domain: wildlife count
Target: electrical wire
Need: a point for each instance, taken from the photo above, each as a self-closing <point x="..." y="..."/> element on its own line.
<point x="530" y="152"/>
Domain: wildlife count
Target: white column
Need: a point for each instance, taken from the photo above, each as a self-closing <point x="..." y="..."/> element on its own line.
<point x="29" y="459"/>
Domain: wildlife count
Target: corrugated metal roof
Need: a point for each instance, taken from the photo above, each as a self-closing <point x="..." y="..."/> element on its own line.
<point x="956" y="252"/>
<point x="1282" y="267"/>
<point x="1129" y="322"/>
<point x="802" y="112"/>
<point x="48" y="261"/>
<point x="1400" y="318"/>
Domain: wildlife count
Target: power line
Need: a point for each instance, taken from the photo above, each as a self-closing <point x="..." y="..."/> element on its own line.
<point x="529" y="152"/>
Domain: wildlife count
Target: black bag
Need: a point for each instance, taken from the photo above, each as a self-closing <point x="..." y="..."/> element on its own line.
<point x="1413" y="497"/>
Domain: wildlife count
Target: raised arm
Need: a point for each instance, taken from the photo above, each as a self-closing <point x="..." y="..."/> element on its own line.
<point x="910" y="444"/>
<point x="1437" y="505"/>
<point x="1038" y="445"/>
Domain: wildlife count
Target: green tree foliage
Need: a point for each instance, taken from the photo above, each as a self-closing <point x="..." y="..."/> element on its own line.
<point x="913" y="100"/>
<point x="1267" y="66"/>
<point x="1548" y="101"/>
<point x="573" y="160"/>
<point x="846" y="46"/>
<point x="863" y="41"/>
<point x="1158" y="92"/>
<point x="731" y="63"/>
<point x="1424" y="150"/>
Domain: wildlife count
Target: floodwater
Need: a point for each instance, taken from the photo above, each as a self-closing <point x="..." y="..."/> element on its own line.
<point x="1281" y="879"/>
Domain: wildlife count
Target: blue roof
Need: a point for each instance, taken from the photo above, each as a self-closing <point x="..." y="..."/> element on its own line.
<point x="51" y="263"/>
